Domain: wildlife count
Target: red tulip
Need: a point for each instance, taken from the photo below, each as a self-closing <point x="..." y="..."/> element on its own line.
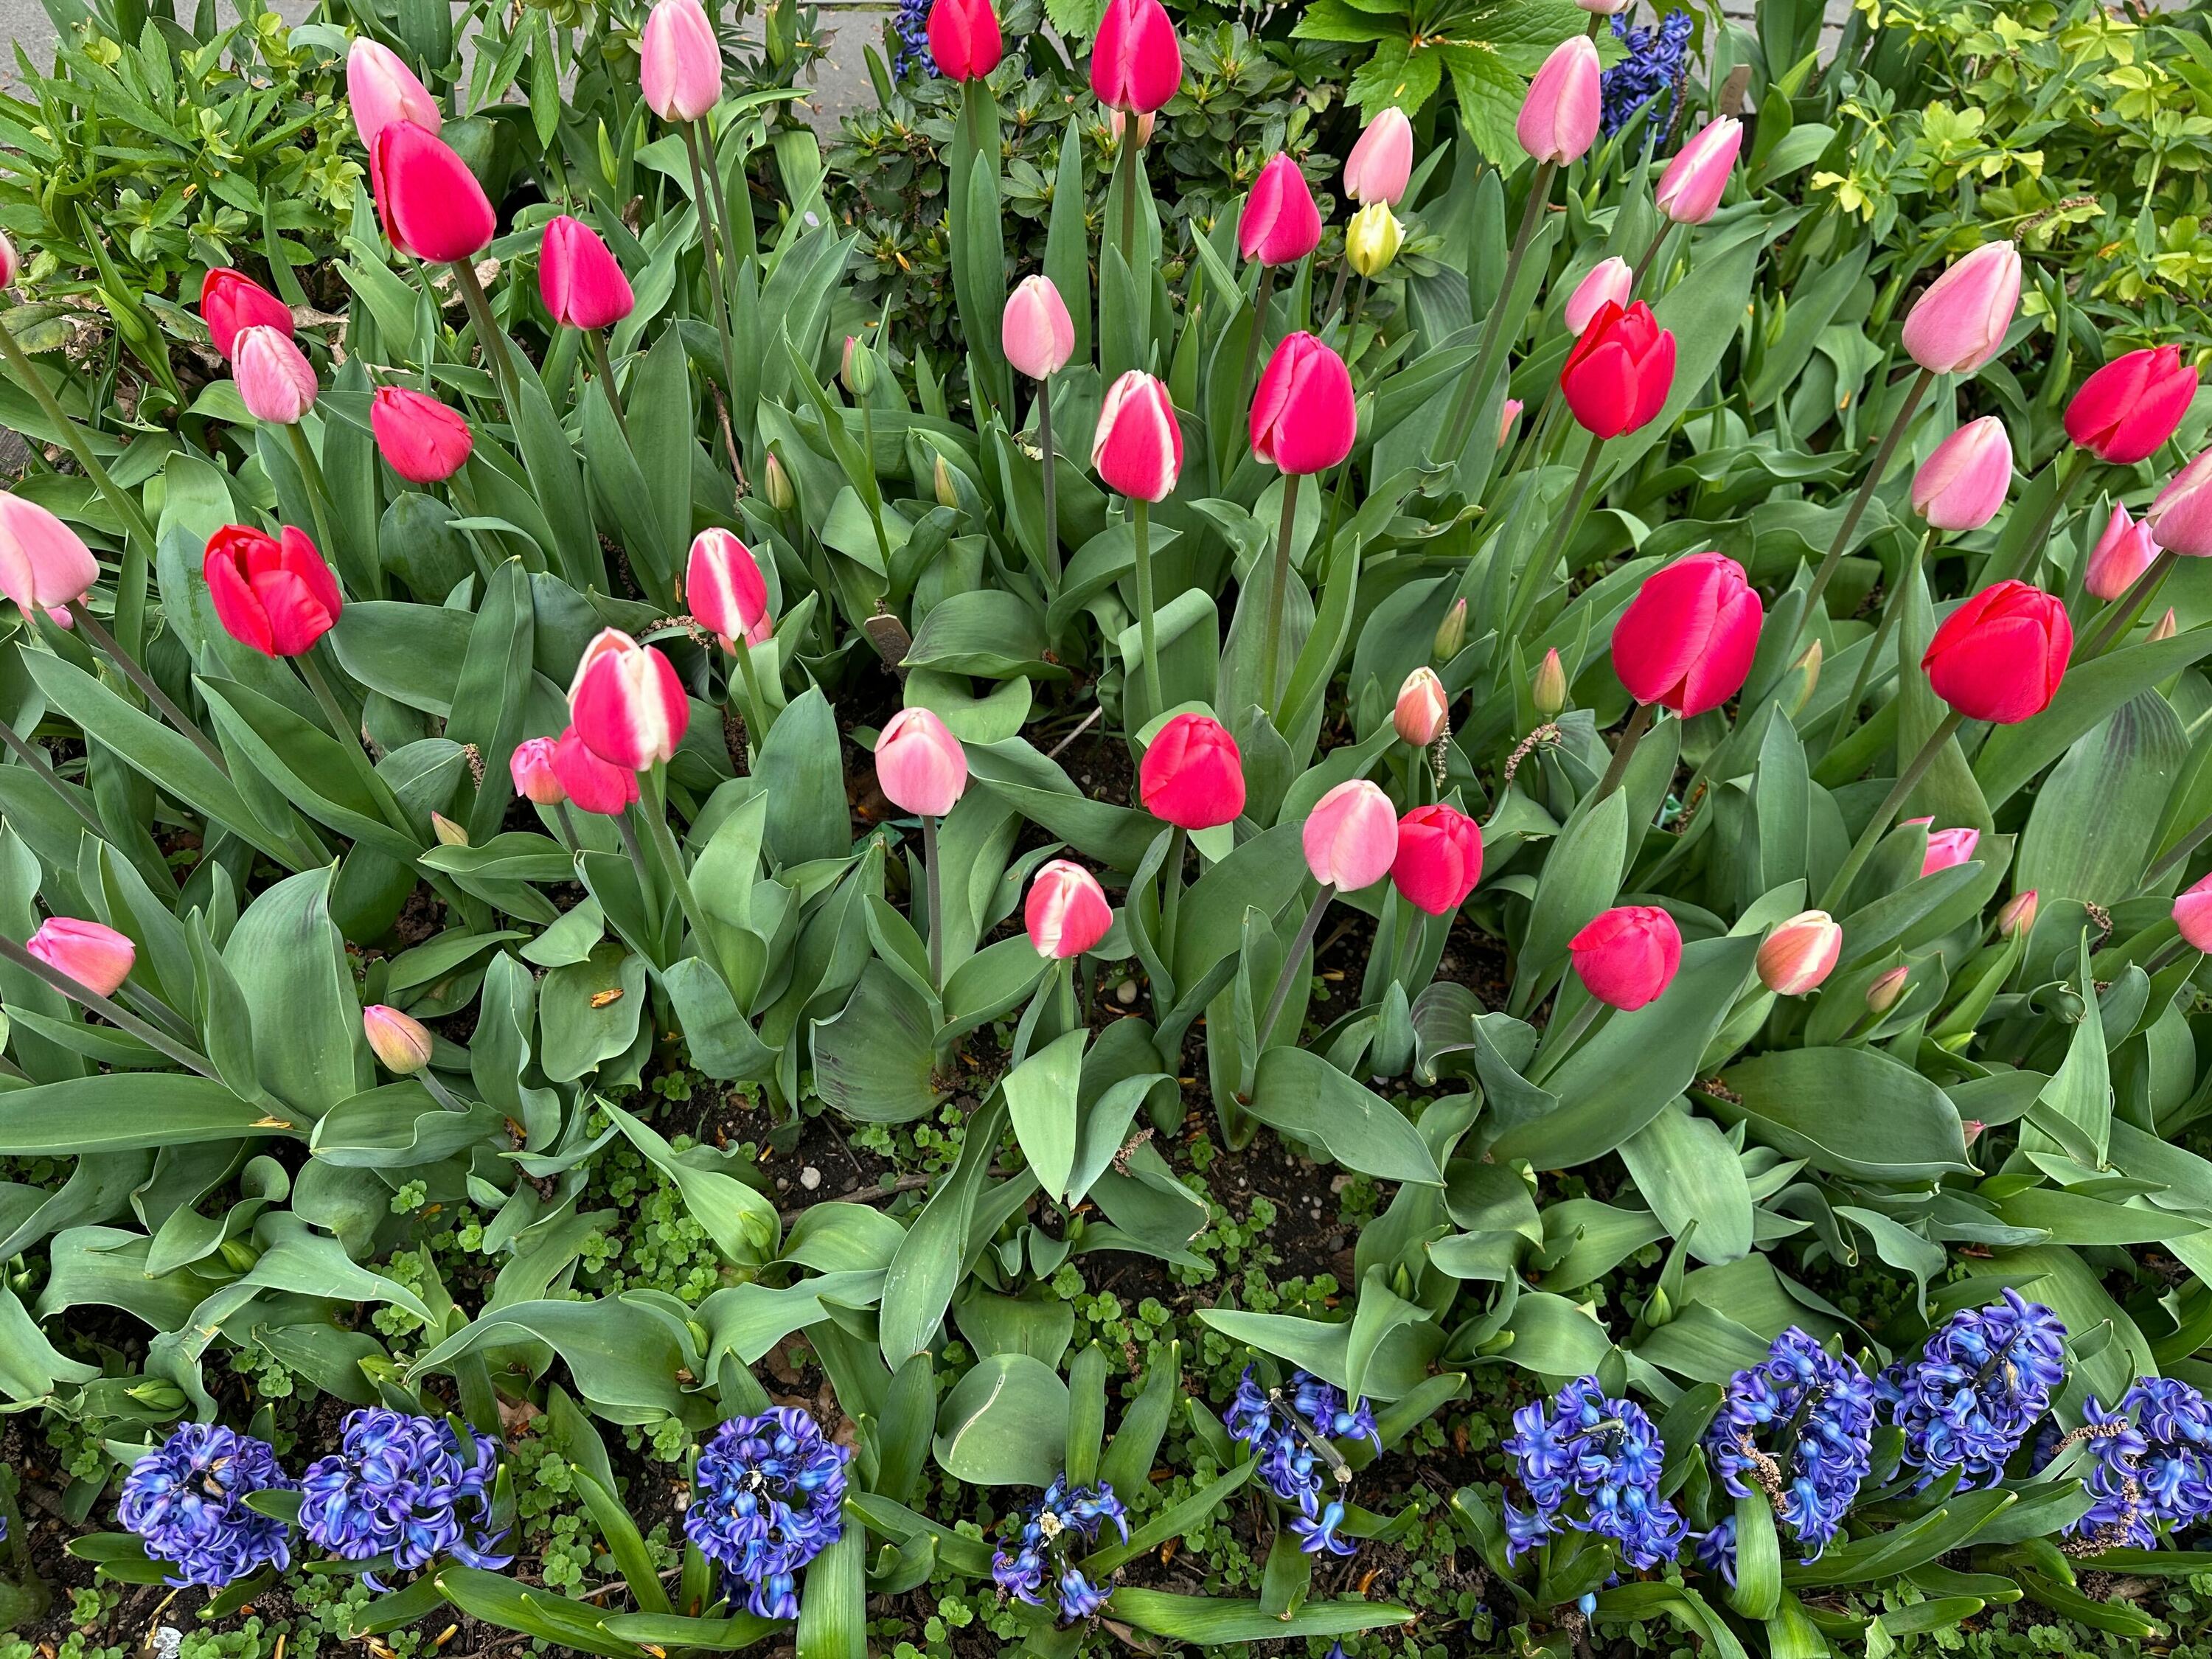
<point x="231" y="301"/>
<point x="1303" y="418"/>
<point x="964" y="39"/>
<point x="420" y="439"/>
<point x="726" y="591"/>
<point x="1559" y="118"/>
<point x="1137" y="447"/>
<point x="95" y="956"/>
<point x="1627" y="957"/>
<point x="382" y="89"/>
<point x="429" y="203"/>
<point x="1959" y="324"/>
<point x="627" y="704"/>
<point x="919" y="765"/>
<point x="1439" y="857"/>
<point x="1136" y="62"/>
<point x="1380" y="164"/>
<point x="1193" y="775"/>
<point x="2131" y="405"/>
<point x="2122" y="553"/>
<point x="1800" y="953"/>
<point x="1350" y="837"/>
<point x="1066" y="913"/>
<point x="275" y="382"/>
<point x="1279" y="225"/>
<point x="43" y="564"/>
<point x="1962" y="484"/>
<point x="2001" y="655"/>
<point x="530" y="766"/>
<point x="1619" y="375"/>
<point x="680" y="61"/>
<point x="1690" y="190"/>
<point x="2192" y="914"/>
<point x="274" y="594"/>
<point x="578" y="278"/>
<point x="594" y="785"/>
<point x="1687" y="638"/>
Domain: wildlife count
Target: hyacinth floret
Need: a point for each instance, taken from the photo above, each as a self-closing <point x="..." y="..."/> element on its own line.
<point x="406" y="1486"/>
<point x="1026" y="1556"/>
<point x="911" y="26"/>
<point x="1606" y="1452"/>
<point x="1979" y="1385"/>
<point x="2152" y="1467"/>
<point x="186" y="1500"/>
<point x="1652" y="73"/>
<point x="1798" y="1427"/>
<point x="1285" y="1428"/>
<point x="767" y="1497"/>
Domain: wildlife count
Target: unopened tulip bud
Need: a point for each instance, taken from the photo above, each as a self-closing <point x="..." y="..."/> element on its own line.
<point x="275" y="381"/>
<point x="1947" y="849"/>
<point x="97" y="957"/>
<point x="1037" y="331"/>
<point x="680" y="61"/>
<point x="1974" y="1127"/>
<point x="627" y="705"/>
<point x="1508" y="412"/>
<point x="400" y="1041"/>
<point x="775" y="483"/>
<point x="1802" y="952"/>
<point x="859" y="370"/>
<point x="940" y="478"/>
<point x="2165" y="628"/>
<point x="1805" y="674"/>
<point x="919" y="765"/>
<point x="9" y="263"/>
<point x="1548" y="691"/>
<point x="449" y="834"/>
<point x="1372" y="241"/>
<point x="1690" y="190"/>
<point x="1451" y="632"/>
<point x="1380" y="164"/>
<point x="2018" y="915"/>
<point x="2122" y="554"/>
<point x="2192" y="914"/>
<point x="382" y="89"/>
<point x="531" y="768"/>
<point x="1627" y="955"/>
<point x="1962" y="484"/>
<point x="1559" y="117"/>
<point x="1881" y="996"/>
<point x="1423" y="710"/>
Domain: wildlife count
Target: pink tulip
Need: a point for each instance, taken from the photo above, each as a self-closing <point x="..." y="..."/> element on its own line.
<point x="1038" y="334"/>
<point x="2018" y="915"/>
<point x="10" y="263"/>
<point x="399" y="1040"/>
<point x="1279" y="225"/>
<point x="1608" y="283"/>
<point x="1136" y="62"/>
<point x="919" y="765"/>
<point x="2131" y="405"/>
<point x="97" y="957"/>
<point x="1380" y="164"/>
<point x="1350" y="837"/>
<point x="1605" y="7"/>
<point x="1506" y="416"/>
<point x="1193" y="774"/>
<point x="43" y="564"/>
<point x="627" y="705"/>
<point x="724" y="586"/>
<point x="1559" y="118"/>
<point x="1945" y="848"/>
<point x="1627" y="955"/>
<point x="2122" y="554"/>
<point x="275" y="381"/>
<point x="1687" y="638"/>
<point x="2192" y="913"/>
<point x="1137" y="447"/>
<point x="964" y="40"/>
<point x="1962" y="484"/>
<point x="382" y="89"/>
<point x="420" y="439"/>
<point x="1439" y="858"/>
<point x="1690" y="190"/>
<point x="680" y="61"/>
<point x="1067" y="912"/>
<point x="1303" y="420"/>
<point x="2181" y="516"/>
<point x="231" y="301"/>
<point x="578" y="278"/>
<point x="1422" y="710"/>
<point x="594" y="785"/>
<point x="273" y="594"/>
<point x="428" y="201"/>
<point x="1800" y="953"/>
<point x="1959" y="322"/>
<point x="530" y="766"/>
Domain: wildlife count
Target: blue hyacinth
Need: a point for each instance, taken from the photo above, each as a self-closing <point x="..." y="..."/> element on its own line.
<point x="2152" y="1468"/>
<point x="186" y="1500"/>
<point x="1797" y="1427"/>
<point x="1980" y="1385"/>
<point x="1652" y="73"/>
<point x="911" y="26"/>
<point x="768" y="1496"/>
<point x="1603" y="1452"/>
<point x="1037" y="1544"/>
<point x="1285" y="1428"/>
<point x="409" y="1487"/>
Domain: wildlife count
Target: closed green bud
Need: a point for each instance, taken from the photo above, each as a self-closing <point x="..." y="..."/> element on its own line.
<point x="1548" y="692"/>
<point x="941" y="477"/>
<point x="775" y="482"/>
<point x="1451" y="632"/>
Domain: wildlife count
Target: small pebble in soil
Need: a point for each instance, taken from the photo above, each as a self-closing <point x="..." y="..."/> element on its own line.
<point x="782" y="1185"/>
<point x="810" y="1177"/>
<point x="1126" y="993"/>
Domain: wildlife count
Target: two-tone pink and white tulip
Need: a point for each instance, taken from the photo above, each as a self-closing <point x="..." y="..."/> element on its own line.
<point x="1800" y="953"/>
<point x="1380" y="164"/>
<point x="1422" y="709"/>
<point x="1959" y="322"/>
<point x="725" y="590"/>
<point x="1280" y="223"/>
<point x="1137" y="448"/>
<point x="274" y="380"/>
<point x="1067" y="912"/>
<point x="629" y="708"/>
<point x="1607" y="282"/>
<point x="380" y="89"/>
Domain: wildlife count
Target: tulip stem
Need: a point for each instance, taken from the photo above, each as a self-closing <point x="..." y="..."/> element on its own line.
<point x="1856" y="510"/>
<point x="34" y="757"/>
<point x="567" y="823"/>
<point x="1299" y="946"/>
<point x="1051" y="484"/>
<point x="1642" y="265"/>
<point x="654" y="808"/>
<point x="628" y="831"/>
<point x="1069" y="1015"/>
<point x="138" y="533"/>
<point x="439" y="1091"/>
<point x="606" y="377"/>
<point x="1878" y="825"/>
<point x="1891" y="609"/>
<point x="311" y="476"/>
<point x="108" y="1009"/>
<point x="156" y="1011"/>
<point x="1130" y="161"/>
<point x="2122" y="615"/>
<point x="711" y="247"/>
<point x="1171" y="891"/>
<point x="1271" y="645"/>
<point x="88" y="625"/>
<point x="762" y="717"/>
<point x="1140" y="512"/>
<point x="2072" y="472"/>
<point x="1529" y="585"/>
<point x="1617" y="768"/>
<point x="1252" y="340"/>
<point x="936" y="901"/>
<point x="1563" y="1043"/>
<point x="489" y="341"/>
<point x="1475" y="390"/>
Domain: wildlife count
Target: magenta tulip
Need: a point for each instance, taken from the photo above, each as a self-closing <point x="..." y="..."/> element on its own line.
<point x="1559" y="118"/>
<point x="680" y="63"/>
<point x="1627" y="955"/>
<point x="578" y="278"/>
<point x="380" y="89"/>
<point x="919" y="765"/>
<point x="45" y="565"/>
<point x="1037" y="331"/>
<point x="1945" y="848"/>
<point x="1350" y="837"/>
<point x="1962" y="484"/>
<point x="428" y="201"/>
<point x="231" y="301"/>
<point x="1137" y="447"/>
<point x="1067" y="912"/>
<point x="2192" y="914"/>
<point x="1380" y="164"/>
<point x="1193" y="774"/>
<point x="1686" y="639"/>
<point x="1280" y="224"/>
<point x="274" y="594"/>
<point x="1618" y="372"/>
<point x="2133" y="404"/>
<point x="627" y="704"/>
<point x="1690" y="190"/>
<point x="275" y="381"/>
<point x="964" y="41"/>
<point x="1136" y="61"/>
<point x="420" y="439"/>
<point x="594" y="785"/>
<point x="1608" y="282"/>
<point x="1959" y="322"/>
<point x="1439" y="858"/>
<point x="726" y="591"/>
<point x="2122" y="554"/>
<point x="2001" y="656"/>
<point x="95" y="956"/>
<point x="1303" y="418"/>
